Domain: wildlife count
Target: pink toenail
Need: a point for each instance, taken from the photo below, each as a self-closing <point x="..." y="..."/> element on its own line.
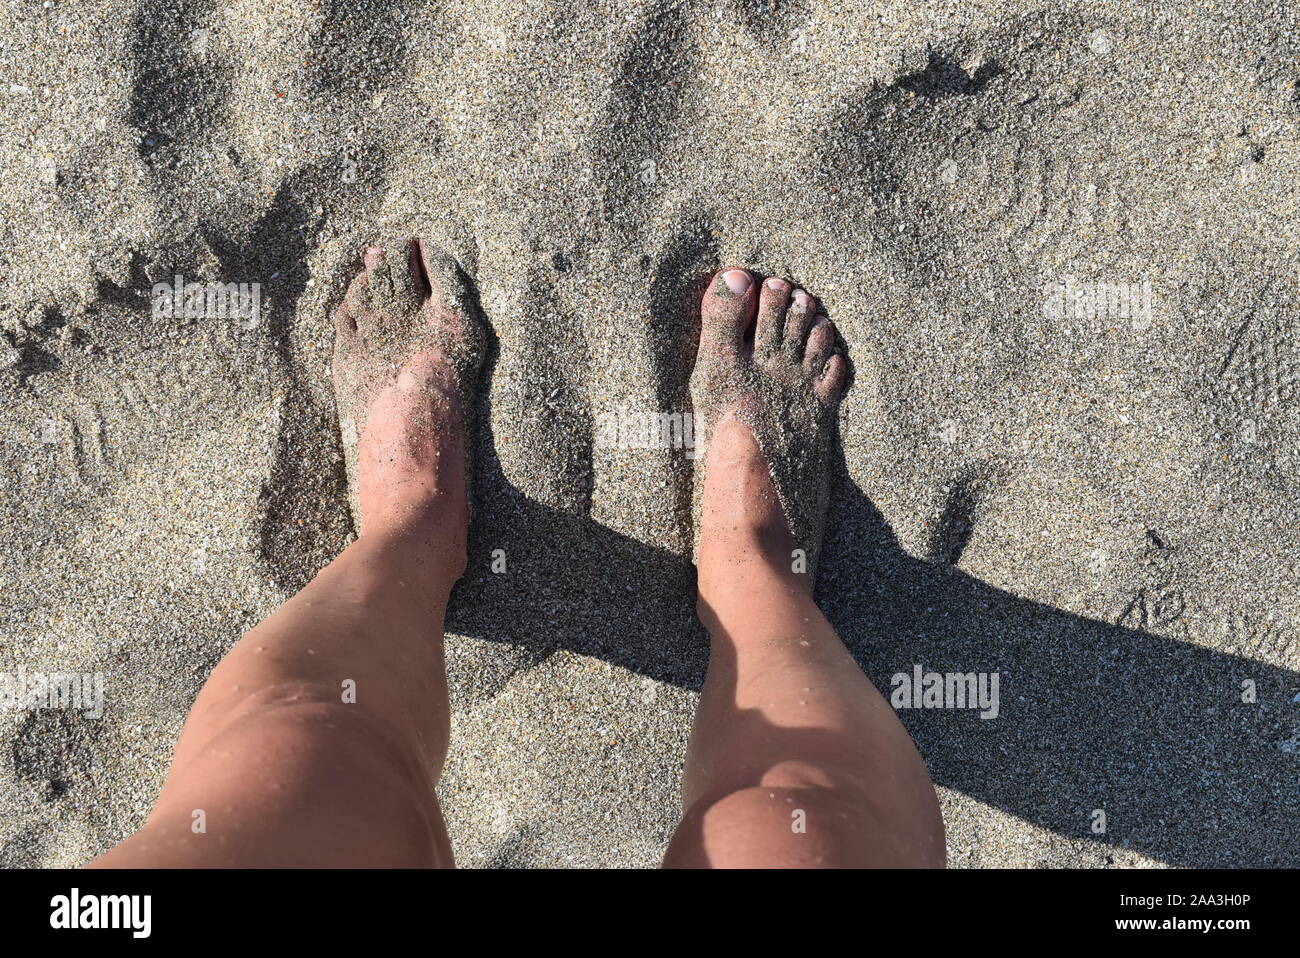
<point x="803" y="300"/>
<point x="737" y="280"/>
<point x="776" y="283"/>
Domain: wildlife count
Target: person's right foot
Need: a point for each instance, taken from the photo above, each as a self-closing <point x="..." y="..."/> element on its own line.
<point x="767" y="380"/>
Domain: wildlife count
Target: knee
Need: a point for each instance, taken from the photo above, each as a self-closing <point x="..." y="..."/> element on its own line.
<point x="320" y="783"/>
<point x="799" y="825"/>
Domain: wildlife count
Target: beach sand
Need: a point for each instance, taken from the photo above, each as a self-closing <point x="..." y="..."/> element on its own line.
<point x="1060" y="240"/>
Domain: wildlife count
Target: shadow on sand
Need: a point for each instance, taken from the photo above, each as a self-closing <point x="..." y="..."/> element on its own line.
<point x="1093" y="715"/>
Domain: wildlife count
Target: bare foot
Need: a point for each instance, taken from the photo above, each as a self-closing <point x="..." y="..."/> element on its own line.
<point x="406" y="358"/>
<point x="767" y="381"/>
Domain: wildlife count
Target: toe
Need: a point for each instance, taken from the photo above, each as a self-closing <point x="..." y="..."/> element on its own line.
<point x="442" y="277"/>
<point x="345" y="324"/>
<point x="346" y="352"/>
<point x="727" y="311"/>
<point x="798" y="320"/>
<point x="394" y="277"/>
<point x="357" y="299"/>
<point x="417" y="255"/>
<point x="773" y="299"/>
<point x="830" y="385"/>
<point x="379" y="279"/>
<point x="820" y="346"/>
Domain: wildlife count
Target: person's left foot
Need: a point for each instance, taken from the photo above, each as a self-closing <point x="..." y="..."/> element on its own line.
<point x="406" y="359"/>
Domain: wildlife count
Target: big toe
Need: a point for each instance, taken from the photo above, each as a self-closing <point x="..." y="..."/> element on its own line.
<point x="445" y="282"/>
<point x="727" y="312"/>
<point x="394" y="277"/>
<point x="452" y="314"/>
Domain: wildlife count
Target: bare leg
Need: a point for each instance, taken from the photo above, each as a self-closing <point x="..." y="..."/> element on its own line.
<point x="795" y="759"/>
<point x="319" y="738"/>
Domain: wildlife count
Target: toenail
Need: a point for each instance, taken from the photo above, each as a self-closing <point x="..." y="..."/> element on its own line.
<point x="776" y="283"/>
<point x="375" y="250"/>
<point x="737" y="280"/>
<point x="802" y="300"/>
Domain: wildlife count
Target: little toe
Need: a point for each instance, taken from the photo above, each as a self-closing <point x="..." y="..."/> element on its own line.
<point x="830" y="385"/>
<point x="820" y="346"/>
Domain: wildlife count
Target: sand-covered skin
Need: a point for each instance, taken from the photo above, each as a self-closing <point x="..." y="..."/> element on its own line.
<point x="407" y="332"/>
<point x="764" y="357"/>
<point x="1101" y="508"/>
